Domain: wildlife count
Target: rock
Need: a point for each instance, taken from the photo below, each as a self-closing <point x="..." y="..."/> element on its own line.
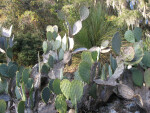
<point x="71" y="111"/>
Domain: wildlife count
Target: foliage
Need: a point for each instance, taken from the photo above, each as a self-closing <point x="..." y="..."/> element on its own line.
<point x="96" y="28"/>
<point x="27" y="53"/>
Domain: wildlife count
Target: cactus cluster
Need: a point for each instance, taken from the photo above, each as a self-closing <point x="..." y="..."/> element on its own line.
<point x="130" y="55"/>
<point x="9" y="70"/>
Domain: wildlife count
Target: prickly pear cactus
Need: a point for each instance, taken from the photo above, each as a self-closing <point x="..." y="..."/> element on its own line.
<point x="76" y="91"/>
<point x="12" y="70"/>
<point x="87" y="57"/>
<point x="137" y="77"/>
<point x="77" y="27"/>
<point x="60" y="104"/>
<point x="45" y="94"/>
<point x="137" y="33"/>
<point x="2" y="106"/>
<point x="45" y="46"/>
<point x="3" y="85"/>
<point x="128" y="53"/>
<point x="84" y="13"/>
<point x="113" y="63"/>
<point x="138" y="48"/>
<point x="129" y="36"/>
<point x="84" y="71"/>
<point x="146" y="59"/>
<point x="50" y="85"/>
<point x="147" y="77"/>
<point x="25" y="75"/>
<point x="65" y="87"/>
<point x="9" y="53"/>
<point x="51" y="61"/>
<point x="56" y="86"/>
<point x="4" y="70"/>
<point x="116" y="43"/>
<point x="21" y="107"/>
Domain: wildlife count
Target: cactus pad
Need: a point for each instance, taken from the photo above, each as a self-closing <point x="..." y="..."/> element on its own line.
<point x="147" y="77"/>
<point x="84" y="71"/>
<point x="56" y="86"/>
<point x="25" y="75"/>
<point x="129" y="36"/>
<point x="137" y="33"/>
<point x="137" y="77"/>
<point x="77" y="27"/>
<point x="146" y="59"/>
<point x="4" y="70"/>
<point x="116" y="43"/>
<point x="87" y="57"/>
<point x="84" y="13"/>
<point x="45" y="46"/>
<point x="45" y="94"/>
<point x="60" y="104"/>
<point x="65" y="87"/>
<point x="21" y="107"/>
<point x="76" y="91"/>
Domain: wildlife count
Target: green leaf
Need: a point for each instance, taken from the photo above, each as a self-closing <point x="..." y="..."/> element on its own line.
<point x="2" y="106"/>
<point x="60" y="104"/>
<point x="84" y="13"/>
<point x="84" y="71"/>
<point x="45" y="46"/>
<point x="116" y="43"/>
<point x="21" y="107"/>
<point x="56" y="86"/>
<point x="65" y="87"/>
<point x="129" y="36"/>
<point x="147" y="77"/>
<point x="137" y="77"/>
<point x="46" y="94"/>
<point x="137" y="33"/>
<point x="76" y="91"/>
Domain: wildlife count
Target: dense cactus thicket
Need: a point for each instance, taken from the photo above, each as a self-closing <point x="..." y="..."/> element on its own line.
<point x="93" y="82"/>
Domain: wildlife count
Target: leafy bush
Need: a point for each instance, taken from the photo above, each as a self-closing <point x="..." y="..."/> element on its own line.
<point x="26" y="49"/>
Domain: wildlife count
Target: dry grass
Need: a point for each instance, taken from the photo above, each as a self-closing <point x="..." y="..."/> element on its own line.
<point x="76" y="59"/>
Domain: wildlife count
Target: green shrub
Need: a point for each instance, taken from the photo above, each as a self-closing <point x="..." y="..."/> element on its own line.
<point x="26" y="49"/>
